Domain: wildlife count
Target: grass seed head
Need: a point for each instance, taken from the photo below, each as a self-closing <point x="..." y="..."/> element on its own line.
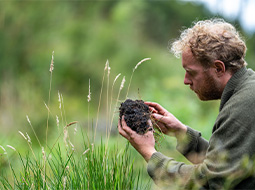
<point x="28" y="120"/>
<point x="64" y="182"/>
<point x="106" y="65"/>
<point x="71" y="123"/>
<point x="75" y="130"/>
<point x="59" y="100"/>
<point x="3" y="149"/>
<point x="89" y="95"/>
<point x="44" y="154"/>
<point x="11" y="147"/>
<point x="65" y="137"/>
<point x="122" y="83"/>
<point x="71" y="144"/>
<point x="23" y="135"/>
<point x="57" y="120"/>
<point x="51" y="63"/>
<point x="116" y="78"/>
<point x="109" y="70"/>
<point x="145" y="59"/>
<point x="28" y="138"/>
<point x="85" y="151"/>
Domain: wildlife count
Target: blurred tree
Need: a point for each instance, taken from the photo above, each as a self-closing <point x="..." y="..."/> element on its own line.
<point x="84" y="35"/>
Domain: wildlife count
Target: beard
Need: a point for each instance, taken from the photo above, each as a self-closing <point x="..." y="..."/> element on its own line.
<point x="209" y="89"/>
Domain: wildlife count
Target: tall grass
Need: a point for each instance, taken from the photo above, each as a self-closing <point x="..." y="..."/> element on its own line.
<point x="92" y="169"/>
<point x="63" y="166"/>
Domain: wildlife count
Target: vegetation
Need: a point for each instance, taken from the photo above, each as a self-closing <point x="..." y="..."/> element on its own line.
<point x="96" y="168"/>
<point x="83" y="35"/>
<point x="61" y="166"/>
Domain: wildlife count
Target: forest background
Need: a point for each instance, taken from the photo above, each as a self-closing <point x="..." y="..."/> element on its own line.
<point x="83" y="36"/>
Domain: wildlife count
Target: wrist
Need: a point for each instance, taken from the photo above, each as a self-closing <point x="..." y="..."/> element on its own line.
<point x="147" y="155"/>
<point x="181" y="132"/>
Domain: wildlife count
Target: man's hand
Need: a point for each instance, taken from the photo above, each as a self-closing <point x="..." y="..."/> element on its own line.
<point x="166" y="121"/>
<point x="144" y="144"/>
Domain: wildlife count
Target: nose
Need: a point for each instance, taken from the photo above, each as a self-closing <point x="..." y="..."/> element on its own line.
<point x="187" y="81"/>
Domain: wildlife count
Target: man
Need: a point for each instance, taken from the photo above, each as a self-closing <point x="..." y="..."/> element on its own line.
<point x="213" y="58"/>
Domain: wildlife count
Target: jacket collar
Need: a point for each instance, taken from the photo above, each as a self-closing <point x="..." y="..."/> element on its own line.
<point x="231" y="85"/>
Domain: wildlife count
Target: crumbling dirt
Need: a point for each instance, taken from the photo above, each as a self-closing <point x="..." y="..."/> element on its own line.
<point x="136" y="115"/>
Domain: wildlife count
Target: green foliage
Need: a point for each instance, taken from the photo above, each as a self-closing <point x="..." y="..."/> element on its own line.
<point x="84" y="34"/>
<point x="96" y="168"/>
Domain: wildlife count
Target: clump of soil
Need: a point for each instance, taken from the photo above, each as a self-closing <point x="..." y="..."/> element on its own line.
<point x="136" y="114"/>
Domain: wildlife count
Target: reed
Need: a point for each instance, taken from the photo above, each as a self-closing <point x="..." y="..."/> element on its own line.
<point x="100" y="97"/>
<point x="94" y="168"/>
<point x="51" y="71"/>
<point x="139" y="63"/>
<point x="63" y="165"/>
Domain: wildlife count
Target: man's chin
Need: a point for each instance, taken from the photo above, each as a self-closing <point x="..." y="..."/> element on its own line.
<point x="207" y="98"/>
<point x="201" y="97"/>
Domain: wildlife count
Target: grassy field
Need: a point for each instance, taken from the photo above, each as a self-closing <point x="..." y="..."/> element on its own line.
<point x="71" y="156"/>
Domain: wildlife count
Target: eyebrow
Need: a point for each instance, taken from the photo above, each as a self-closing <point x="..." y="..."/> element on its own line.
<point x="191" y="71"/>
<point x="188" y="69"/>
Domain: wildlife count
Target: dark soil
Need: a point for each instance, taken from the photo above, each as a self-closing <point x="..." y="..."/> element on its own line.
<point x="136" y="115"/>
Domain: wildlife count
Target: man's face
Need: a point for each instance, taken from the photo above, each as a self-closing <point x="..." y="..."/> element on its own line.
<point x="203" y="81"/>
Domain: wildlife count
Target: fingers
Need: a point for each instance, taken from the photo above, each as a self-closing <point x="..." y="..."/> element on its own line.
<point x="156" y="108"/>
<point x="121" y="131"/>
<point x="161" y="122"/>
<point x="149" y="123"/>
<point x="124" y="130"/>
<point x="152" y="109"/>
<point x="160" y="126"/>
<point x="122" y="127"/>
<point x="159" y="118"/>
<point x="127" y="129"/>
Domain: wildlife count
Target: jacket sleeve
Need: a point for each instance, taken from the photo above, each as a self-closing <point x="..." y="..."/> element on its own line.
<point x="165" y="171"/>
<point x="223" y="166"/>
<point x="193" y="146"/>
<point x="229" y="159"/>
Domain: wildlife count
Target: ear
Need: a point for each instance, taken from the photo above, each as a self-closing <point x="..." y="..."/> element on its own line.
<point x="220" y="68"/>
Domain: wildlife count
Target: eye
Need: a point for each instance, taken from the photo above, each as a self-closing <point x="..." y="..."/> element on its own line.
<point x="190" y="73"/>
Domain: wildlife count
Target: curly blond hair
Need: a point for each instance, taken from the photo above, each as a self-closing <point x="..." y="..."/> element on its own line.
<point x="211" y="40"/>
